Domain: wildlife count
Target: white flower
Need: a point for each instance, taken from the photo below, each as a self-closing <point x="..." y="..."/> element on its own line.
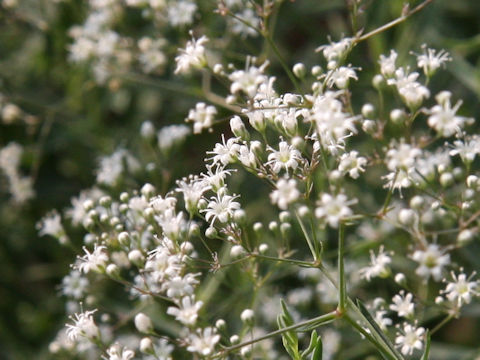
<point x="225" y="153"/>
<point x="179" y="286"/>
<point x="430" y="60"/>
<point x="341" y="76"/>
<point x="51" y="224"/>
<point x="75" y="285"/>
<point x="461" y="289"/>
<point x="10" y="157"/>
<point x="161" y="264"/>
<point x="116" y="352"/>
<point x="180" y="13"/>
<point x="83" y="326"/>
<point x="203" y="341"/>
<point x="221" y="207"/>
<point x="171" y="135"/>
<point x="336" y="50"/>
<point x="403" y="304"/>
<point x="248" y="16"/>
<point x="467" y="149"/>
<point x="334" y="208"/>
<point x="286" y="157"/>
<point x="248" y="81"/>
<point x="193" y="56"/>
<point x="412" y="92"/>
<point x="352" y="163"/>
<point x="402" y="156"/>
<point x="378" y="265"/>
<point x="202" y="117"/>
<point x="94" y="261"/>
<point x="443" y="117"/>
<point x="387" y="64"/>
<point x="192" y="189"/>
<point x="187" y="312"/>
<point x="285" y="193"/>
<point x="431" y="261"/>
<point x="409" y="339"/>
<point x="381" y="320"/>
<point x="111" y="167"/>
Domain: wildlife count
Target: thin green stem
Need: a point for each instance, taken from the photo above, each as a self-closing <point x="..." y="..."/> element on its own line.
<point x="311" y="245"/>
<point x="393" y="23"/>
<point x="442" y="323"/>
<point x="342" y="295"/>
<point x="317" y="321"/>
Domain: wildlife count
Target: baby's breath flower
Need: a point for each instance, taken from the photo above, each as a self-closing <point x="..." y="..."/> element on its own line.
<point x="378" y="265"/>
<point x="202" y="117"/>
<point x="187" y="312"/>
<point x="84" y="326"/>
<point x="203" y="341"/>
<point x="431" y="261"/>
<point x="403" y="304"/>
<point x="285" y="193"/>
<point x="461" y="289"/>
<point x="95" y="261"/>
<point x="334" y="209"/>
<point x="409" y="339"/>
<point x="117" y="352"/>
<point x="443" y="117"/>
<point x="193" y="56"/>
<point x="221" y="207"/>
<point x="430" y="60"/>
<point x="352" y="164"/>
<point x="286" y="157"/>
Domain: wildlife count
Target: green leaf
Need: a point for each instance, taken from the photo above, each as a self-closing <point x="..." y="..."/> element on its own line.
<point x="318" y="352"/>
<point x="377" y="329"/>
<point x="311" y="346"/>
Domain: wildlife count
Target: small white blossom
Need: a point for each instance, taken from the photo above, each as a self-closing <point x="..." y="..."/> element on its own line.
<point x="193" y="56"/>
<point x="202" y="117"/>
<point x="203" y="341"/>
<point x="461" y="289"/>
<point x="221" y="207"/>
<point x="286" y="157"/>
<point x="117" y="352"/>
<point x="180" y="13"/>
<point x="334" y="209"/>
<point x="225" y="152"/>
<point x="378" y="265"/>
<point x="430" y="60"/>
<point x="187" y="312"/>
<point x="352" y="164"/>
<point x="83" y="325"/>
<point x="403" y="304"/>
<point x="443" y="117"/>
<point x="285" y="193"/>
<point x="93" y="261"/>
<point x="387" y="64"/>
<point x="431" y="261"/>
<point x="409" y="339"/>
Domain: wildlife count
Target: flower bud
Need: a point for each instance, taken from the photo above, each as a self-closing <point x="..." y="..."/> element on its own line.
<point x="143" y="323"/>
<point x="317" y="71"/>
<point x="407" y="217"/>
<point x="398" y="116"/>
<point x="446" y="179"/>
<point x="263" y="248"/>
<point x="211" y="232"/>
<point x="220" y="324"/>
<point x="146" y="346"/>
<point x="247" y="316"/>
<point x="299" y="70"/>
<point x="368" y="111"/>
<point x="136" y="257"/>
<point x="369" y="126"/>
<point x="400" y="279"/>
<point x="148" y="190"/>
<point x="465" y="237"/>
<point x="237" y="251"/>
<point x="238" y="128"/>
<point x="147" y="130"/>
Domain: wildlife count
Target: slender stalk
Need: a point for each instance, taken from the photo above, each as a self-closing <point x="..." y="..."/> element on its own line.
<point x="393" y="23"/>
<point x="322" y="319"/>
<point x="441" y="323"/>
<point x="342" y="295"/>
<point x="311" y="245"/>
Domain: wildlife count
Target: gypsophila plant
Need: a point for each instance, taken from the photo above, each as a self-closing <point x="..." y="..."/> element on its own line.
<point x="282" y="208"/>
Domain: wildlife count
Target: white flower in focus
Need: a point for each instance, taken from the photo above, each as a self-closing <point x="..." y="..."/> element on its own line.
<point x="443" y="117"/>
<point x="203" y="341"/>
<point x="334" y="209"/>
<point x="431" y="261"/>
<point x="336" y="50"/>
<point x="83" y="325"/>
<point x="225" y="152"/>
<point x="403" y="304"/>
<point x="117" y="352"/>
<point x="95" y="261"/>
<point x="221" y="207"/>
<point x="161" y="265"/>
<point x="285" y="193"/>
<point x="180" y="286"/>
<point x="411" y="91"/>
<point x="378" y="265"/>
<point x="430" y="60"/>
<point x="352" y="163"/>
<point x="202" y="117"/>
<point x="409" y="339"/>
<point x="461" y="289"/>
<point x="286" y="157"/>
<point x="192" y="189"/>
<point x="193" y="56"/>
<point x="187" y="312"/>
